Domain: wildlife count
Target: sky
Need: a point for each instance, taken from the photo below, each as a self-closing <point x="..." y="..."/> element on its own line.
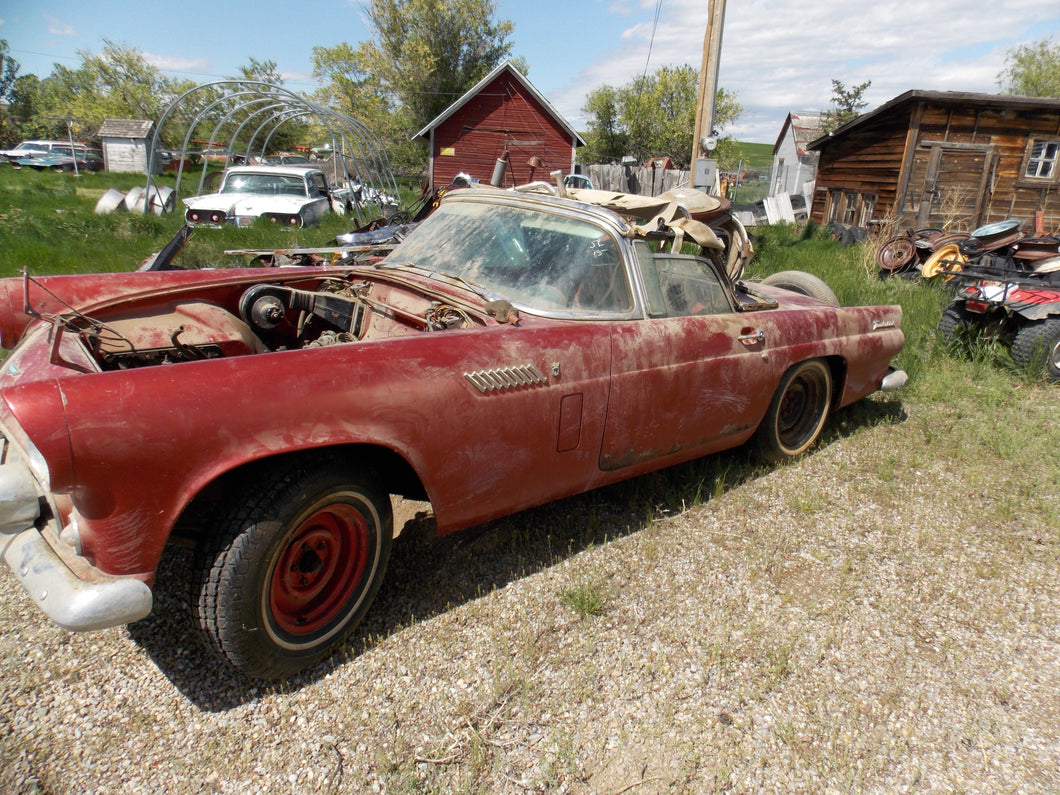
<point x="777" y="56"/>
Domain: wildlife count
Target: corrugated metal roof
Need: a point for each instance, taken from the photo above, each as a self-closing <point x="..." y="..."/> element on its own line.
<point x="126" y="128"/>
<point x="805" y="127"/>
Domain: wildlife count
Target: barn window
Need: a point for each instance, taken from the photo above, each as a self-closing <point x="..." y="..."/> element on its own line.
<point x="1043" y="156"/>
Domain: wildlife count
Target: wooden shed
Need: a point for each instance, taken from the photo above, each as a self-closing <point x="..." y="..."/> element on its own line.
<point x="943" y="159"/>
<point x="124" y="143"/>
<point x="502" y="116"/>
<point x="794" y="166"/>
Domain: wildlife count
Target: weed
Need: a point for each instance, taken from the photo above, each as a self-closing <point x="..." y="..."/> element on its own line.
<point x="585" y="598"/>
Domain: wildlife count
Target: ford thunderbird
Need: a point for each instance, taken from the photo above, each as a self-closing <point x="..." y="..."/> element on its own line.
<point x="516" y="348"/>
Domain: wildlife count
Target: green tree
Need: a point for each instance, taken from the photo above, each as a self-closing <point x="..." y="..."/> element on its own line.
<point x="9" y="127"/>
<point x="260" y="71"/>
<point x="847" y="104"/>
<point x="24" y="108"/>
<point x="424" y="55"/>
<point x="350" y="89"/>
<point x="606" y="138"/>
<point x="116" y="84"/>
<point x="427" y="53"/>
<point x="1032" y="70"/>
<point x="8" y="71"/>
<point x="652" y="116"/>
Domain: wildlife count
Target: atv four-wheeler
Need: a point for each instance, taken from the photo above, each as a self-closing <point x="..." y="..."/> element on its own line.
<point x="1008" y="287"/>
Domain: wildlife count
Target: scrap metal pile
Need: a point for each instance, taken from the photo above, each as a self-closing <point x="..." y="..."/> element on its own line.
<point x="1001" y="247"/>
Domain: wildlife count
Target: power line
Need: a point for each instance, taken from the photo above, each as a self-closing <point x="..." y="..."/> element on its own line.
<point x="651" y="42"/>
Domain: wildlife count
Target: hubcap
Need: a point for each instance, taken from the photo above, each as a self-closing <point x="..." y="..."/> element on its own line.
<point x="319" y="569"/>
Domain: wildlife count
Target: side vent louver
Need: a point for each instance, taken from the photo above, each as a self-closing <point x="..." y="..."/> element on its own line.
<point x="505" y="378"/>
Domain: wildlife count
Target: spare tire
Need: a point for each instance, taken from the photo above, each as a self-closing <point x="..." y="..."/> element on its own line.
<point x="803" y="283"/>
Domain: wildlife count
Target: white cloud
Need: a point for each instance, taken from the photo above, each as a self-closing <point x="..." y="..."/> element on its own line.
<point x="173" y="63"/>
<point x="777" y="56"/>
<point x="296" y="77"/>
<point x="57" y="27"/>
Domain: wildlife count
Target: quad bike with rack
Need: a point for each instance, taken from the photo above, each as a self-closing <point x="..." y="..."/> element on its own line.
<point x="1008" y="287"/>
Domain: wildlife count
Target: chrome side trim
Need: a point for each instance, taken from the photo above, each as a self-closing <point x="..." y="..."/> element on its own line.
<point x="505" y="378"/>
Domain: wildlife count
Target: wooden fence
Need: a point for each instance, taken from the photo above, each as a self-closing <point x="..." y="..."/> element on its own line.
<point x="636" y="179"/>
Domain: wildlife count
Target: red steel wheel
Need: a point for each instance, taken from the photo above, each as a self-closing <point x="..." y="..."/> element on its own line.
<point x="293" y="566"/>
<point x="318" y="569"/>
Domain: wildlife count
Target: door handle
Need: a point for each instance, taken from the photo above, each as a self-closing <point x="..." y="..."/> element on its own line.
<point x="754" y="337"/>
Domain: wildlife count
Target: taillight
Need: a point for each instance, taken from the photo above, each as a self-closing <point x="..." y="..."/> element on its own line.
<point x="194" y="216"/>
<point x="976" y="306"/>
<point x="217" y="217"/>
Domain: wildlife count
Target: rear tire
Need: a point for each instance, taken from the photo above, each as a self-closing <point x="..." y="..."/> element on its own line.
<point x="295" y="565"/>
<point x="1037" y="346"/>
<point x="797" y="413"/>
<point x="803" y="283"/>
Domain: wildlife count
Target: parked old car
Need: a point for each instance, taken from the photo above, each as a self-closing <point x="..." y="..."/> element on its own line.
<point x="63" y="158"/>
<point x="284" y="160"/>
<point x="514" y="349"/>
<point x="35" y="148"/>
<point x="293" y="196"/>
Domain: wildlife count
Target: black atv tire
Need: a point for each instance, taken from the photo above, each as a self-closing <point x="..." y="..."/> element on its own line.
<point x="1037" y="347"/>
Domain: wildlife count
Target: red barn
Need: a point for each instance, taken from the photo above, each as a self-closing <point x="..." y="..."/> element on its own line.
<point x="502" y="115"/>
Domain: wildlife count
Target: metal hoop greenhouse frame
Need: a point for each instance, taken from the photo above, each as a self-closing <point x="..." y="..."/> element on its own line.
<point x="244" y="103"/>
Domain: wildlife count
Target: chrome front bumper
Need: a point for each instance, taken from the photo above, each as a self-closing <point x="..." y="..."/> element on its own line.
<point x="72" y="602"/>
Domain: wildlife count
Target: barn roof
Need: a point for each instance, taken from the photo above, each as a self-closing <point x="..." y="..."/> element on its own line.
<point x="126" y="128"/>
<point x="471" y="93"/>
<point x="960" y="98"/>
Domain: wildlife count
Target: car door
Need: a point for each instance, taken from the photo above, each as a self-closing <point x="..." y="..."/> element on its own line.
<point x="693" y="377"/>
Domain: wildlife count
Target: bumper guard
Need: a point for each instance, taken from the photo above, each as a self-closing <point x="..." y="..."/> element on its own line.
<point x="73" y="603"/>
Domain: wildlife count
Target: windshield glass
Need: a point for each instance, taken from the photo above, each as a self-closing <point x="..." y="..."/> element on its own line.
<point x="537" y="259"/>
<point x="271" y="184"/>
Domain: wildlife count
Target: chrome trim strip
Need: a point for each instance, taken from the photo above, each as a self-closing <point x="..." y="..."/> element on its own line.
<point x="505" y="378"/>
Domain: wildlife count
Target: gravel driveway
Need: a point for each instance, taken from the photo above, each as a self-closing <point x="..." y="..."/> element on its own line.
<point x="877" y="617"/>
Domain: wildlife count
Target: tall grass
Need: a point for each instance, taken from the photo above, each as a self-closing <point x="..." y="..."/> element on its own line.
<point x="48" y="226"/>
<point x="853" y="276"/>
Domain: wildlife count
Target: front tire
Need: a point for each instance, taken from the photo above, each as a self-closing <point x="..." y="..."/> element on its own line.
<point x="1037" y="346"/>
<point x="294" y="568"/>
<point x="797" y="413"/>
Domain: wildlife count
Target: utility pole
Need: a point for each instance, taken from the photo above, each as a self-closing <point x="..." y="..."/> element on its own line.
<point x="704" y="138"/>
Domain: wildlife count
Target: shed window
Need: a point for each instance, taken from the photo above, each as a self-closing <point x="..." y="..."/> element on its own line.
<point x="1042" y="158"/>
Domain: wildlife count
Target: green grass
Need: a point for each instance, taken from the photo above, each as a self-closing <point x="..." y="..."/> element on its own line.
<point x="754" y="159"/>
<point x="48" y="226"/>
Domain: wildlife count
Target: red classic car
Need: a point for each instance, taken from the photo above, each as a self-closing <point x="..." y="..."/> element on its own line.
<point x="514" y="349"/>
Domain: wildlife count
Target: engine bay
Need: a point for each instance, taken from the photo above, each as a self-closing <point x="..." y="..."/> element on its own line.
<point x="267" y="317"/>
